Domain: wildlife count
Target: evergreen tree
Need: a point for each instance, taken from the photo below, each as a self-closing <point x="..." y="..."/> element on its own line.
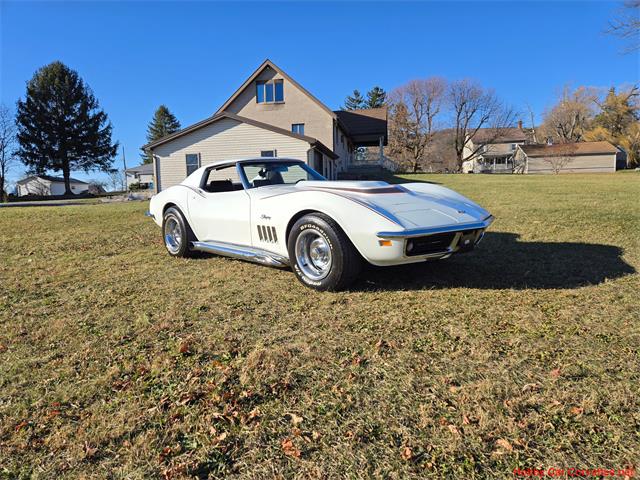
<point x="163" y="123"/>
<point x="61" y="126"/>
<point x="354" y="102"/>
<point x="376" y="97"/>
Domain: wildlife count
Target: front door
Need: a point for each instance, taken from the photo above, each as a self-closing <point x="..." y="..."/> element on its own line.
<point x="220" y="210"/>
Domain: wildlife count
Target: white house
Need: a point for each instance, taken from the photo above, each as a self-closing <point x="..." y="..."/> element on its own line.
<point x="45" y="185"/>
<point x="492" y="150"/>
<point x="270" y="115"/>
<point x="142" y="175"/>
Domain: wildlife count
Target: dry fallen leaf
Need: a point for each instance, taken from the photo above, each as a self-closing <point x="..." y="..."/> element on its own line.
<point x="555" y="373"/>
<point x="185" y="348"/>
<point x="453" y="429"/>
<point x="465" y="420"/>
<point x="89" y="451"/>
<point x="577" y="411"/>
<point x="502" y="443"/>
<point x="295" y="419"/>
<point x="407" y="454"/>
<point x="290" y="449"/>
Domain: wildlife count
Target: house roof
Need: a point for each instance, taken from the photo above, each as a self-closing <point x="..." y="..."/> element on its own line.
<point x="144" y="169"/>
<point x="269" y="64"/>
<point x="568" y="149"/>
<point x="364" y="126"/>
<point x="50" y="179"/>
<point x="505" y="135"/>
<point x="219" y="116"/>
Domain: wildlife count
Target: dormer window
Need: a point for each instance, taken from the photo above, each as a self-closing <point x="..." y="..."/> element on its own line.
<point x="270" y="92"/>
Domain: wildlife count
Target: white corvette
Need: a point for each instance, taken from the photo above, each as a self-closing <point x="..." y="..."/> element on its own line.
<point x="280" y="212"/>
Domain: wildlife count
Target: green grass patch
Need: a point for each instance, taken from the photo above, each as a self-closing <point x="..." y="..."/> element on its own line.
<point x="118" y="361"/>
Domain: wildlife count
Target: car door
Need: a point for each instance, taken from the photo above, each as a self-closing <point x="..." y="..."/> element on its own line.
<point x="220" y="209"/>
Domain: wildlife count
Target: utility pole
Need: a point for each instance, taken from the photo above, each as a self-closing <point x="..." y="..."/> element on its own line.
<point x="124" y="160"/>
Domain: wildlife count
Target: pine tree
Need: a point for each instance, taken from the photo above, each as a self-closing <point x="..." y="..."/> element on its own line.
<point x="163" y="123"/>
<point x="61" y="126"/>
<point x="354" y="102"/>
<point x="376" y="97"/>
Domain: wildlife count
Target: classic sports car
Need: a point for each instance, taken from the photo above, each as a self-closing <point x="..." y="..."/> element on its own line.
<point x="280" y="212"/>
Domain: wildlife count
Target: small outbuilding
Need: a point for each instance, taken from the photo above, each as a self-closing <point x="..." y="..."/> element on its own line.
<point x="581" y="157"/>
<point x="46" y="185"/>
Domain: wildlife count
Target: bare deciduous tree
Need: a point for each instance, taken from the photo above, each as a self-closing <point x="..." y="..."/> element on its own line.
<point x="414" y="108"/>
<point x="570" y="118"/>
<point x="474" y="108"/>
<point x="7" y="147"/>
<point x="627" y="25"/>
<point x="117" y="180"/>
<point x="562" y="159"/>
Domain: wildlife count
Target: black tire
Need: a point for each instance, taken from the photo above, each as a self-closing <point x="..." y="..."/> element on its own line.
<point x="344" y="261"/>
<point x="174" y="222"/>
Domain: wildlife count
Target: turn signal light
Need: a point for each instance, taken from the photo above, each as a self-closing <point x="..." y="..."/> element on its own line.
<point x="385" y="243"/>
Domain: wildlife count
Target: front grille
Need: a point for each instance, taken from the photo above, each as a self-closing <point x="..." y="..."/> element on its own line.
<point x="436" y="243"/>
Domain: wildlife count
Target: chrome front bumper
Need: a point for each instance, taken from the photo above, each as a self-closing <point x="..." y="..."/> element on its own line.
<point x="423" y="231"/>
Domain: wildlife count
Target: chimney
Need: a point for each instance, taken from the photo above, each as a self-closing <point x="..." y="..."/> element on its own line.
<point x="520" y="124"/>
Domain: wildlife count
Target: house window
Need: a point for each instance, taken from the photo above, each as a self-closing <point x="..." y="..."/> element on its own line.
<point x="193" y="162"/>
<point x="513" y="147"/>
<point x="270" y="92"/>
<point x="268" y="153"/>
<point x="279" y="88"/>
<point x="298" y="128"/>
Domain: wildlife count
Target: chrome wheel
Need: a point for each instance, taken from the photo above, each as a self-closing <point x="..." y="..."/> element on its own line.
<point x="313" y="254"/>
<point x="172" y="234"/>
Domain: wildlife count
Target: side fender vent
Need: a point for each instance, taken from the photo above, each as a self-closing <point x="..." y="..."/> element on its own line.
<point x="267" y="234"/>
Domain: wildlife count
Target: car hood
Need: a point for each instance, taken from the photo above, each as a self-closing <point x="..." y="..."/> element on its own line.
<point x="410" y="205"/>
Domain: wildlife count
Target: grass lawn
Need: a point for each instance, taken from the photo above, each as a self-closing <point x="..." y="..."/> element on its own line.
<point x="118" y="361"/>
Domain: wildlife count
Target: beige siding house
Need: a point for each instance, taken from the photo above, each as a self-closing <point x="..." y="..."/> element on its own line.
<point x="582" y="157"/>
<point x="269" y="115"/>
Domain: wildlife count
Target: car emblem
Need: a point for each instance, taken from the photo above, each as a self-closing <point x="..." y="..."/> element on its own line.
<point x="462" y="211"/>
<point x="265" y="217"/>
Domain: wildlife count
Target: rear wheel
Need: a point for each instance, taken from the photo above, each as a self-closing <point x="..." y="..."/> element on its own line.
<point x="177" y="234"/>
<point x="321" y="255"/>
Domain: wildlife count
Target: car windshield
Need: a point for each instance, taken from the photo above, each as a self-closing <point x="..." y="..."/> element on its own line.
<point x="260" y="174"/>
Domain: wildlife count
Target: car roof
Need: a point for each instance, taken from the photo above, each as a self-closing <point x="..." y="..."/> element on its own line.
<point x="255" y="159"/>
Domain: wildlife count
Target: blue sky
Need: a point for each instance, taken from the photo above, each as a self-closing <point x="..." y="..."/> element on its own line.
<point x="193" y="55"/>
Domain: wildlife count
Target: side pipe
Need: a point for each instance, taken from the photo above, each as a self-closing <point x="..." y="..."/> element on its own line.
<point x="242" y="252"/>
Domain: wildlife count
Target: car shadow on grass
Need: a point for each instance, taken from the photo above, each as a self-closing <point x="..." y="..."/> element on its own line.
<point x="501" y="261"/>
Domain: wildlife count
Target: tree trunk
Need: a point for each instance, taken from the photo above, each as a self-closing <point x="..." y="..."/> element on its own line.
<point x="67" y="183"/>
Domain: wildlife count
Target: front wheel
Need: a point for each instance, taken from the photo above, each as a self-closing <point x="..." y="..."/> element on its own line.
<point x="321" y="255"/>
<point x="177" y="233"/>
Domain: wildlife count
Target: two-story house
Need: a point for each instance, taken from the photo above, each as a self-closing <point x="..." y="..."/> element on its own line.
<point x="270" y="115"/>
<point x="492" y="151"/>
